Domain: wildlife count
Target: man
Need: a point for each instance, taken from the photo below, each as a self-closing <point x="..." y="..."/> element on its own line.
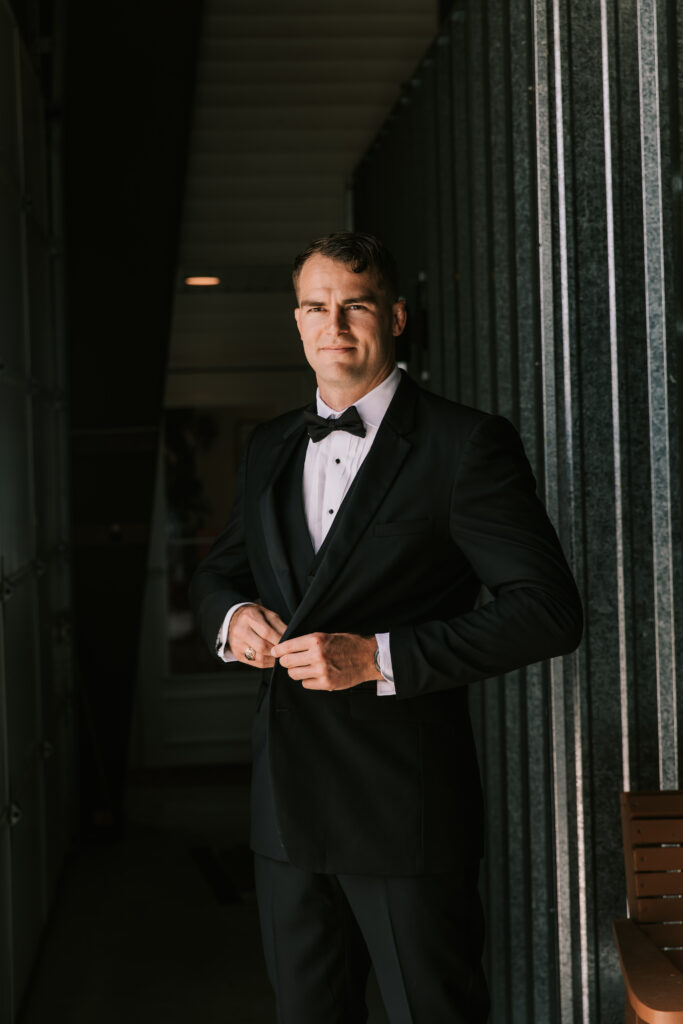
<point x="362" y="531"/>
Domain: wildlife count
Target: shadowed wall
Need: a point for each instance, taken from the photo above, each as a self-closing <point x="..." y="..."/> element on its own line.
<point x="129" y="100"/>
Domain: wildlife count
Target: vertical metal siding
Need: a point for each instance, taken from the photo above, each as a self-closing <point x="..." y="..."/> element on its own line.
<point x="658" y="381"/>
<point x="536" y="159"/>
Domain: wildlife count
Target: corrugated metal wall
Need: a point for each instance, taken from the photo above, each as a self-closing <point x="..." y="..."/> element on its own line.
<point x="36" y="692"/>
<point x="529" y="182"/>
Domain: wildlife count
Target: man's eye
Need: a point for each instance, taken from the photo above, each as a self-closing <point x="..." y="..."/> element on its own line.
<point x="355" y="305"/>
<point x="316" y="309"/>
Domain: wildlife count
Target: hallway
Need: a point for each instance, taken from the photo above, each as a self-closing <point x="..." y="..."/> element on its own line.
<point x="160" y="927"/>
<point x="524" y="163"/>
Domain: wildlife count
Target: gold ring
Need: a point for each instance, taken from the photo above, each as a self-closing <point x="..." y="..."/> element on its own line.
<point x="250" y="654"/>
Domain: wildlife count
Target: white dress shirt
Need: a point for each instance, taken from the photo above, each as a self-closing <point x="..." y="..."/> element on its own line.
<point x="329" y="470"/>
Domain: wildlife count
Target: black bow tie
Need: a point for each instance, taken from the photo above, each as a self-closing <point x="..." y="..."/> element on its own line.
<point x="318" y="427"/>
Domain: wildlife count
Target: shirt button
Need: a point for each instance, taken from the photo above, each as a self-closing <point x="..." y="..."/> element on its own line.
<point x="331" y="511"/>
<point x="337" y="461"/>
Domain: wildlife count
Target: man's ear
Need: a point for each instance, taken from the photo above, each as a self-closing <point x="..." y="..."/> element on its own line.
<point x="399" y="315"/>
<point x="297" y="316"/>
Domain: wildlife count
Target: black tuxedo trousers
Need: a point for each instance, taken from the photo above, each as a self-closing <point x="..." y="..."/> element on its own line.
<point x="423" y="933"/>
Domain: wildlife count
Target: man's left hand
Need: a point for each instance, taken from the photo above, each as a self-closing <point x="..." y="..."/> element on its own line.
<point x="328" y="661"/>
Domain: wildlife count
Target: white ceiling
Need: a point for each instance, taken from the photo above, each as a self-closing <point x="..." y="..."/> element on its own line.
<point x="285" y="106"/>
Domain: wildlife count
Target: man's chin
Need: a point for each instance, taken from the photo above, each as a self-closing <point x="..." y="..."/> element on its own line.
<point x="339" y="373"/>
<point x="340" y="363"/>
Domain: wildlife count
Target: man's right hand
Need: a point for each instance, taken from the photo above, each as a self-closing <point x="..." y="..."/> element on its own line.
<point x="258" y="628"/>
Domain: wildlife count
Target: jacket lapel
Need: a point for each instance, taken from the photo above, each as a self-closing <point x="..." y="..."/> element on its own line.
<point x="357" y="511"/>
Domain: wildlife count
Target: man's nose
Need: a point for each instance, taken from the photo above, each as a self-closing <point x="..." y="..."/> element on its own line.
<point x="337" y="322"/>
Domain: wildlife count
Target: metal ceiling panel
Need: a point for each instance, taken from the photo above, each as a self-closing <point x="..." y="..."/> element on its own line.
<point x="285" y="104"/>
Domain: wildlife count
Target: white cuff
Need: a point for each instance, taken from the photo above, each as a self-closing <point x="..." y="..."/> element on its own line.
<point x="222" y="649"/>
<point x="385" y="687"/>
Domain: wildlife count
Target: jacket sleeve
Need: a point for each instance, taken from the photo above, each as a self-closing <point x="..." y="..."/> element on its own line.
<point x="502" y="528"/>
<point x="224" y="577"/>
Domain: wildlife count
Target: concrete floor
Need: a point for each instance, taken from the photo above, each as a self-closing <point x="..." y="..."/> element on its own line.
<point x="160" y="927"/>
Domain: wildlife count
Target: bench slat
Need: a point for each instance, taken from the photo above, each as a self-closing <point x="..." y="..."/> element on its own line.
<point x="653" y="804"/>
<point x="658" y="858"/>
<point x="656" y="830"/>
<point x="659" y="909"/>
<point x="659" y="883"/>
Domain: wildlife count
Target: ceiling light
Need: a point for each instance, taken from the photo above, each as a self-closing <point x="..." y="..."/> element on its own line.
<point x="202" y="282"/>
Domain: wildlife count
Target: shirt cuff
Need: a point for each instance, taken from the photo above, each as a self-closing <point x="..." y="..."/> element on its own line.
<point x="222" y="649"/>
<point x="385" y="686"/>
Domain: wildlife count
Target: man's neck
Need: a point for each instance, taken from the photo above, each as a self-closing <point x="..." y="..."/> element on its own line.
<point x="341" y="397"/>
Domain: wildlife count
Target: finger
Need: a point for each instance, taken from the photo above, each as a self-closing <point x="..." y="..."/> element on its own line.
<point x="238" y="630"/>
<point x="253" y="642"/>
<point x="296" y="645"/>
<point x="245" y="639"/>
<point x="255" y="638"/>
<point x="302" y="672"/>
<point x="261" y="626"/>
<point x="248" y="632"/>
<point x="242" y="637"/>
<point x="275" y="621"/>
<point x="315" y="683"/>
<point x="260" y="659"/>
<point x="298" y="659"/>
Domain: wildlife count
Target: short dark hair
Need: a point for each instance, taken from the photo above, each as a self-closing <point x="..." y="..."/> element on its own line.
<point x="358" y="251"/>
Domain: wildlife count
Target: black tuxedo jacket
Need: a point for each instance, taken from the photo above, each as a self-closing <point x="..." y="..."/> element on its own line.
<point x="444" y="502"/>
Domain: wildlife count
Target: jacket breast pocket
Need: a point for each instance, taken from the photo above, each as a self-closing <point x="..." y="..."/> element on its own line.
<point x="402" y="527"/>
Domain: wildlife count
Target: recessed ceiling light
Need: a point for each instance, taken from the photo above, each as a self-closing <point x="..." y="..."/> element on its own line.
<point x="202" y="282"/>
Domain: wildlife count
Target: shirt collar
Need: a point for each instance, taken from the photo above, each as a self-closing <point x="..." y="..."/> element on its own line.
<point x="372" y="406"/>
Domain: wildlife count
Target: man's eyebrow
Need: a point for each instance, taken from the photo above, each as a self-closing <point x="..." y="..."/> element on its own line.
<point x="362" y="298"/>
<point x="369" y="298"/>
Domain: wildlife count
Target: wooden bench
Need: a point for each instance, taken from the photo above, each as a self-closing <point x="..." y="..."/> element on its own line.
<point x="650" y="940"/>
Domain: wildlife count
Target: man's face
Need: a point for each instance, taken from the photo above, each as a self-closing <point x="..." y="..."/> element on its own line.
<point x="348" y="325"/>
